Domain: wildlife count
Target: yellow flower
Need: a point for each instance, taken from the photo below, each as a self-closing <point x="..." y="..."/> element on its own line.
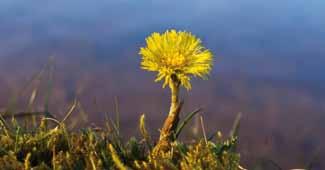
<point x="178" y="54"/>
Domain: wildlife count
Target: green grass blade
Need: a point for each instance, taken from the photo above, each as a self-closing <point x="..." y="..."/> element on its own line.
<point x="188" y="117"/>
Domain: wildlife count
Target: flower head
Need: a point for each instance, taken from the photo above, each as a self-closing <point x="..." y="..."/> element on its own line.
<point x="179" y="54"/>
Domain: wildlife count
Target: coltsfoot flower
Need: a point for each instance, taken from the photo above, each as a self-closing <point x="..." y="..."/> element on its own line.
<point x="178" y="54"/>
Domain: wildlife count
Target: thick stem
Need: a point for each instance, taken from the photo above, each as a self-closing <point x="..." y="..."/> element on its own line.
<point x="171" y="122"/>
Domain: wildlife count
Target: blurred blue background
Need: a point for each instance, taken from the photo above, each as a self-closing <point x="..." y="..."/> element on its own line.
<point x="269" y="65"/>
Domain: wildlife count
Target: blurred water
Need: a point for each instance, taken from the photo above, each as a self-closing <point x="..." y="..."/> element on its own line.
<point x="269" y="58"/>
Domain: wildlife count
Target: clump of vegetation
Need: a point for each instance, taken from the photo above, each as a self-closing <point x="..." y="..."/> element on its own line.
<point x="59" y="148"/>
<point x="48" y="144"/>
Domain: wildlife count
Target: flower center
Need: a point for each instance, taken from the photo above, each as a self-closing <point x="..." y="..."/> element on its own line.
<point x="175" y="61"/>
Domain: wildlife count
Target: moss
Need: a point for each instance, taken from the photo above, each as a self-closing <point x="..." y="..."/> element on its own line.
<point x="57" y="148"/>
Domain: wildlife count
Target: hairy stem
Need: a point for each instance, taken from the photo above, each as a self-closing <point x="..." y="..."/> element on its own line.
<point x="171" y="122"/>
